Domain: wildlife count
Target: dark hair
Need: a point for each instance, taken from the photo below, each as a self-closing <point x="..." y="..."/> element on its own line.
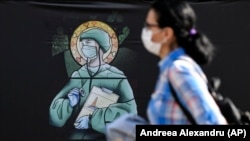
<point x="180" y="16"/>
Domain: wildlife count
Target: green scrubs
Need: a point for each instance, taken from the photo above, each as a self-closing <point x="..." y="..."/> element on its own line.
<point x="107" y="77"/>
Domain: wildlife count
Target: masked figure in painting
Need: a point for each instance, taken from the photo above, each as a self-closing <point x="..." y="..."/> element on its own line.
<point x="67" y="104"/>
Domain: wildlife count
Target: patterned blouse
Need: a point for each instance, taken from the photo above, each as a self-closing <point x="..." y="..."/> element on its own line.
<point x="190" y="84"/>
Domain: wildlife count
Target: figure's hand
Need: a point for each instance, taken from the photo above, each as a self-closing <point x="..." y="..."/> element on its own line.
<point x="74" y="96"/>
<point x="82" y="123"/>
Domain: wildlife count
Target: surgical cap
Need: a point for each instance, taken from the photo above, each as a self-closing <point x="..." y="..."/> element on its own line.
<point x="100" y="36"/>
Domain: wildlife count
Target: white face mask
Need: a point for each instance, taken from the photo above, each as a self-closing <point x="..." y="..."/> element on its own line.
<point x="89" y="51"/>
<point x="151" y="47"/>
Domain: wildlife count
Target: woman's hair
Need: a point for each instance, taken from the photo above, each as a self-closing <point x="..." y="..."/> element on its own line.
<point x="180" y="16"/>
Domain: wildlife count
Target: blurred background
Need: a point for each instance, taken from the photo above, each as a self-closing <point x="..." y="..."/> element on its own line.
<point x="35" y="39"/>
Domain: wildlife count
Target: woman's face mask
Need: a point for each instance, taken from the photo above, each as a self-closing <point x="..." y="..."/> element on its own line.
<point x="89" y="49"/>
<point x="150" y="46"/>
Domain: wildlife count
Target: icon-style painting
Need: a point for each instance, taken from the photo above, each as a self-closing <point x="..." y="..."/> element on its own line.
<point x="96" y="93"/>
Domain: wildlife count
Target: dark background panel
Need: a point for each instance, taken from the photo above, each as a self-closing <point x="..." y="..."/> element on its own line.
<point x="24" y="73"/>
<point x="31" y="76"/>
<point x="227" y="24"/>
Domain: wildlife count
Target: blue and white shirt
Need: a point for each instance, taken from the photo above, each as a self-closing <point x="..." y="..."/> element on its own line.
<point x="189" y="82"/>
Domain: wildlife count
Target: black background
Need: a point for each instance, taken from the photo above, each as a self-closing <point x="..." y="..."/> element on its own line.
<point x="30" y="76"/>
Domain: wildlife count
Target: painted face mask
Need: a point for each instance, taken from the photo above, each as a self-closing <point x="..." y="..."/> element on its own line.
<point x="150" y="46"/>
<point x="89" y="52"/>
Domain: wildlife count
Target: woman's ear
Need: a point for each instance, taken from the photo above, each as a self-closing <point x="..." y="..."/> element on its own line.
<point x="168" y="33"/>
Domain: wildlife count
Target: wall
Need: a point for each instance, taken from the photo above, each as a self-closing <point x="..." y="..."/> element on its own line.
<point x="31" y="75"/>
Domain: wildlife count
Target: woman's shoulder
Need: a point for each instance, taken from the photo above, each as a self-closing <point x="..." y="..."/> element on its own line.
<point x="183" y="63"/>
<point x="186" y="65"/>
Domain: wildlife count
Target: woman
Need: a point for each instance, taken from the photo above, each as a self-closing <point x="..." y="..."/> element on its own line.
<point x="170" y="34"/>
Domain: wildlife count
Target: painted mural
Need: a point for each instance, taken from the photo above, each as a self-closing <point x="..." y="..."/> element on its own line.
<point x="44" y="53"/>
<point x="97" y="93"/>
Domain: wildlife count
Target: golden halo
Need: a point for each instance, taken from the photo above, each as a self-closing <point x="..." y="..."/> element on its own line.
<point x="74" y="43"/>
